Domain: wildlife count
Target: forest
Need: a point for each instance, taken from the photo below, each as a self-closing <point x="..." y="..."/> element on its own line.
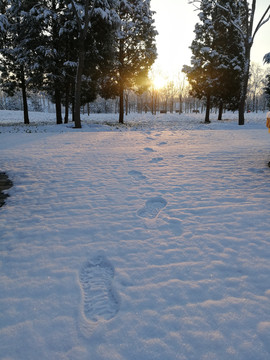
<point x="97" y="55"/>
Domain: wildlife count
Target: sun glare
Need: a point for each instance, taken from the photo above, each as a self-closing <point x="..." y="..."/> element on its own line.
<point x="159" y="82"/>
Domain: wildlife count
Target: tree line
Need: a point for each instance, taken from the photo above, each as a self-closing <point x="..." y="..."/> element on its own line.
<point x="220" y="63"/>
<point x="76" y="50"/>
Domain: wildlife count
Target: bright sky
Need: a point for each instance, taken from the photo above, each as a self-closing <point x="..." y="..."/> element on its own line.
<point x="175" y="21"/>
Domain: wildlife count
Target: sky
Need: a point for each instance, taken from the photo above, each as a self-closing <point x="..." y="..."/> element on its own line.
<point x="175" y="21"/>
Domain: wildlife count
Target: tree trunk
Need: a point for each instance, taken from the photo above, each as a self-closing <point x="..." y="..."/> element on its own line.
<point x="80" y="66"/>
<point x="244" y="86"/>
<point x="24" y="96"/>
<point x="180" y="104"/>
<point x="220" y="110"/>
<point x="207" y="112"/>
<point x="171" y="105"/>
<point x="121" y="103"/>
<point x="126" y="101"/>
<point x="67" y="102"/>
<point x="242" y="101"/>
<point x="121" y="82"/>
<point x="57" y="95"/>
<point x="241" y="112"/>
<point x="77" y="107"/>
<point x="244" y="83"/>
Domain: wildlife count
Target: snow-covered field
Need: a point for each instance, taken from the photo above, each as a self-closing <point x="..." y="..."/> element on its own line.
<point x="149" y="241"/>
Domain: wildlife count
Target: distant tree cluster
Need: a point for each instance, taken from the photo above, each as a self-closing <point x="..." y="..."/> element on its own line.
<point x="75" y="50"/>
<point x="220" y="63"/>
<point x="267" y="85"/>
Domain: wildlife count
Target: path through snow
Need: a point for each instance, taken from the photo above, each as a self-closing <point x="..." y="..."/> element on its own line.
<point x="108" y="253"/>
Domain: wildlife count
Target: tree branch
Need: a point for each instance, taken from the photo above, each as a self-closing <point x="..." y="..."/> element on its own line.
<point x="262" y="21"/>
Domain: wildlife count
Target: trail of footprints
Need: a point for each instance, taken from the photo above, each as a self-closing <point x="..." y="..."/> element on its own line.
<point x="154" y="205"/>
<point x="100" y="301"/>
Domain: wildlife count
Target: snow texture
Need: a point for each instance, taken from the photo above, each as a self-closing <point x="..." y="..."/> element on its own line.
<point x="136" y="242"/>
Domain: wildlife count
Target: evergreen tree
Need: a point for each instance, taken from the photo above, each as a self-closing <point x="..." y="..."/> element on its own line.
<point x="202" y="73"/>
<point x="135" y="50"/>
<point x="240" y="15"/>
<point x="244" y="25"/>
<point x="87" y="13"/>
<point x="230" y="60"/>
<point x="52" y="49"/>
<point x="216" y="58"/>
<point x="17" y="62"/>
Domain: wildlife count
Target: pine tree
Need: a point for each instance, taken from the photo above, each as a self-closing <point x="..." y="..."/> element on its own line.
<point x="230" y="60"/>
<point x="202" y="73"/>
<point x="240" y="15"/>
<point x="52" y="50"/>
<point x="86" y="13"/>
<point x="216" y="60"/>
<point x="245" y="28"/>
<point x="17" y="63"/>
<point x="135" y="50"/>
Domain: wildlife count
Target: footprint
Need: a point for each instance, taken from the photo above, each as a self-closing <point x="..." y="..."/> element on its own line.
<point x="137" y="175"/>
<point x="99" y="299"/>
<point x="256" y="171"/>
<point x="149" y="149"/>
<point x="156" y="160"/>
<point x="162" y="143"/>
<point x="152" y="208"/>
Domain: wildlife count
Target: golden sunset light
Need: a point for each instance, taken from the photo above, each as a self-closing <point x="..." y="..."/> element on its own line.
<point x="175" y="21"/>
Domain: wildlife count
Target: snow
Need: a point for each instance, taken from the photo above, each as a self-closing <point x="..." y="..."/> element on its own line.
<point x="137" y="242"/>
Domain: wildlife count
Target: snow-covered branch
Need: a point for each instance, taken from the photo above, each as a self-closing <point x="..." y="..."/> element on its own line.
<point x="3" y="23"/>
<point x="229" y="11"/>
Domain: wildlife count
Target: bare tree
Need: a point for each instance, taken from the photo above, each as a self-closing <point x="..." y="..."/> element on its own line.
<point x="255" y="85"/>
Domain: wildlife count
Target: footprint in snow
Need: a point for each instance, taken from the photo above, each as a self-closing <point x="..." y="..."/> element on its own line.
<point x="156" y="160"/>
<point x="162" y="143"/>
<point x="256" y="171"/>
<point x="137" y="175"/>
<point x="152" y="208"/>
<point x="149" y="149"/>
<point x="99" y="299"/>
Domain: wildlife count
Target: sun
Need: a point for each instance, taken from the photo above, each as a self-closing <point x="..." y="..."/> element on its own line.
<point x="159" y="82"/>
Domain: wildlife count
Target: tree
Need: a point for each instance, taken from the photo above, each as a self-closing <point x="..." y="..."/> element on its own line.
<point x="53" y="50"/>
<point x="229" y="61"/>
<point x="201" y="73"/>
<point x="216" y="60"/>
<point x="245" y="27"/>
<point x="84" y="12"/>
<point x="255" y="84"/>
<point x="135" y="49"/>
<point x="243" y="22"/>
<point x="20" y="31"/>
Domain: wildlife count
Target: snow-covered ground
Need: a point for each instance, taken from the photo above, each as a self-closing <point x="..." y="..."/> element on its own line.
<point x="149" y="241"/>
